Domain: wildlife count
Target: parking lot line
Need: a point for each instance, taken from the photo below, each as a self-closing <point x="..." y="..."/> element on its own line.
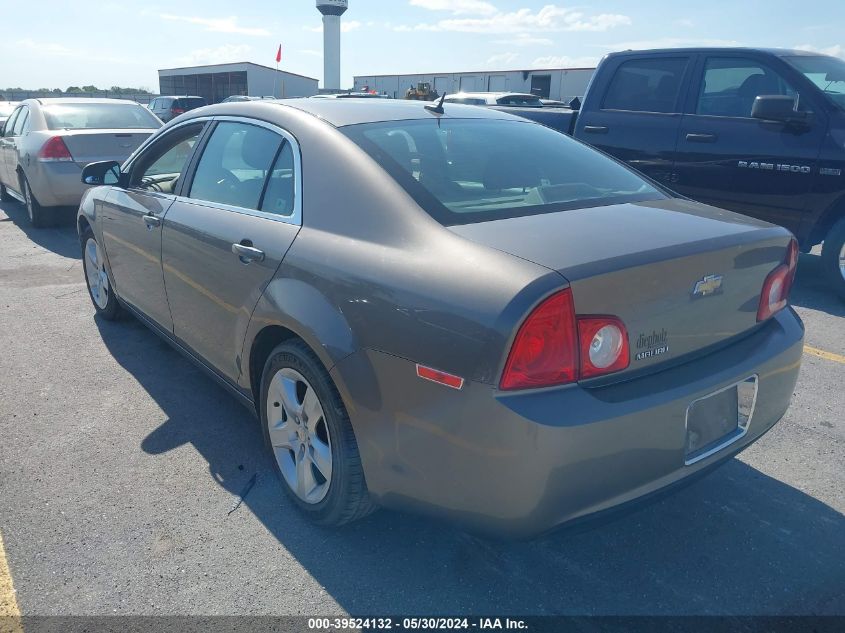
<point x="836" y="358"/>
<point x="8" y="602"/>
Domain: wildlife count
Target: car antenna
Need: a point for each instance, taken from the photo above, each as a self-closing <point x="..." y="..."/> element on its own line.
<point x="437" y="109"/>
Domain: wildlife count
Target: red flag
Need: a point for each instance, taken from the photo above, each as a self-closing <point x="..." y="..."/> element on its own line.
<point x="279" y="54"/>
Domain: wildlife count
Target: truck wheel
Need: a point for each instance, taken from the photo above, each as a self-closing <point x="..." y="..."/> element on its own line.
<point x="307" y="429"/>
<point x="38" y="215"/>
<point x="833" y="257"/>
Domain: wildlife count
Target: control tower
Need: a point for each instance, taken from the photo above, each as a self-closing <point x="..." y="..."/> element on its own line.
<point x="331" y="10"/>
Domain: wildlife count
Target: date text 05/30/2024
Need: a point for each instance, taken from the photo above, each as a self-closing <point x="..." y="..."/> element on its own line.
<point x="415" y="623"/>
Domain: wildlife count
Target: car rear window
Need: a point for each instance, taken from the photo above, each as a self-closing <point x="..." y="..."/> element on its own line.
<point x="468" y="170"/>
<point x="189" y="103"/>
<point x="94" y="116"/>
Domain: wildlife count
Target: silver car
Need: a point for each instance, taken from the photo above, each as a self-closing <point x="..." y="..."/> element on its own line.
<point x="45" y="144"/>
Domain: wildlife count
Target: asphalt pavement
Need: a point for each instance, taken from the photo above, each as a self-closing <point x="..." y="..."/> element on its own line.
<point x="120" y="463"/>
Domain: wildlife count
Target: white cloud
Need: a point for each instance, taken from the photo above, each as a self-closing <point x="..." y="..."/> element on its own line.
<point x="457" y="7"/>
<point x="685" y="22"/>
<point x="217" y="25"/>
<point x="525" y="39"/>
<point x="502" y="59"/>
<point x="836" y="50"/>
<point x="52" y="50"/>
<point x="550" y="18"/>
<point x="564" y="61"/>
<point x="219" y="55"/>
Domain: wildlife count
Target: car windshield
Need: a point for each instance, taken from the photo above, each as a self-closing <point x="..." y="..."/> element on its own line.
<point x="828" y="73"/>
<point x="99" y="116"/>
<point x="469" y="170"/>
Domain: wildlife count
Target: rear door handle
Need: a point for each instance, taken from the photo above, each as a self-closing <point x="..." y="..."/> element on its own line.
<point x="702" y="138"/>
<point x="152" y="221"/>
<point x="247" y="253"/>
<point x="596" y="129"/>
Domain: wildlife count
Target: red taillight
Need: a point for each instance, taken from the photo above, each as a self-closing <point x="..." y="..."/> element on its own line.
<point x="177" y="111"/>
<point x="778" y="284"/>
<point x="545" y="350"/>
<point x="604" y="345"/>
<point x="55" y="150"/>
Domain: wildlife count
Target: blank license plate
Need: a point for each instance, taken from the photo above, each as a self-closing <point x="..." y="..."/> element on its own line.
<point x="711" y="420"/>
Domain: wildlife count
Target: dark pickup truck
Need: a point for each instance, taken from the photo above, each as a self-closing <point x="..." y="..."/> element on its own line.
<point x="756" y="131"/>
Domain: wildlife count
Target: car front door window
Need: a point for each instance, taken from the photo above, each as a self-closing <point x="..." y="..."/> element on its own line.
<point x="161" y="166"/>
<point x="731" y="85"/>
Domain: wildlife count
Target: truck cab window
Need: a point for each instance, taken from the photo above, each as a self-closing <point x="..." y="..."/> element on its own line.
<point x="731" y="85"/>
<point x="646" y="85"/>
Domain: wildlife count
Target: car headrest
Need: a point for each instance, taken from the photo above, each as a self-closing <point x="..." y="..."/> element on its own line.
<point x="511" y="175"/>
<point x="256" y="151"/>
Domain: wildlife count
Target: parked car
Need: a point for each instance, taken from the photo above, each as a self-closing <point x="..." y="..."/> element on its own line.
<point x="352" y="95"/>
<point x="512" y="339"/>
<point x="755" y="131"/>
<point x="520" y="99"/>
<point x="168" y="108"/>
<point x="46" y="143"/>
<point x="240" y="98"/>
<point x="525" y="105"/>
<point x="6" y="109"/>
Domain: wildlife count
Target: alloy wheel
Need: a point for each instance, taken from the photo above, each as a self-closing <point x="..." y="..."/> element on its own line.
<point x="27" y="194"/>
<point x="299" y="435"/>
<point x="95" y="273"/>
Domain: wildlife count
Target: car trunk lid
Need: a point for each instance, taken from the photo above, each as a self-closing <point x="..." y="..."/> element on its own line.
<point x="88" y="146"/>
<point x="680" y="275"/>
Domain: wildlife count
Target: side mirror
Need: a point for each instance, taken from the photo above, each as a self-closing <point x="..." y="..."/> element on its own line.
<point x="106" y="172"/>
<point x="778" y="108"/>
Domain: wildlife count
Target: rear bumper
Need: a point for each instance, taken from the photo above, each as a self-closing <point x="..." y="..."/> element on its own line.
<point x="521" y="464"/>
<point x="56" y="184"/>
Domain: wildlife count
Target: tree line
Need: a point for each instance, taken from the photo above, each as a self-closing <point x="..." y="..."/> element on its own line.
<point x="83" y="90"/>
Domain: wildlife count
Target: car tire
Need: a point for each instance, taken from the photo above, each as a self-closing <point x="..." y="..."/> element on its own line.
<point x="4" y="195"/>
<point x="833" y="257"/>
<point x="301" y="434"/>
<point x="38" y="215"/>
<point x="97" y="279"/>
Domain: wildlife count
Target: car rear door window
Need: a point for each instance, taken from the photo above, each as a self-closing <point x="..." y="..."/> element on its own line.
<point x="279" y="194"/>
<point x="10" y="122"/>
<point x="646" y="85"/>
<point x="731" y="85"/>
<point x="21" y="121"/>
<point x="235" y="164"/>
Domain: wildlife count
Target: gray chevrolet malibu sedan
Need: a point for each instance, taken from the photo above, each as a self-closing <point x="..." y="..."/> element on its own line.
<point x="454" y="311"/>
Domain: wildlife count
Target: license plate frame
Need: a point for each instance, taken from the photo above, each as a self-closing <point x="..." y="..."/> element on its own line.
<point x="706" y="415"/>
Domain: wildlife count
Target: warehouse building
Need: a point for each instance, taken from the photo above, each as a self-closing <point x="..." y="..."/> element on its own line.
<point x="218" y="81"/>
<point x="559" y="83"/>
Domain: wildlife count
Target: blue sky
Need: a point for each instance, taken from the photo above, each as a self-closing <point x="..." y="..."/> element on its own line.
<point x="107" y="43"/>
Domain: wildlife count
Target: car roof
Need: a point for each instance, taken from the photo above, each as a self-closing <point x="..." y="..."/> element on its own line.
<point x="179" y="97"/>
<point x="778" y="52"/>
<point x="68" y="100"/>
<point x="341" y="112"/>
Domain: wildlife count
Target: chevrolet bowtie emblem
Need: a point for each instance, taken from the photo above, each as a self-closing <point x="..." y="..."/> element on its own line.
<point x="710" y="285"/>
